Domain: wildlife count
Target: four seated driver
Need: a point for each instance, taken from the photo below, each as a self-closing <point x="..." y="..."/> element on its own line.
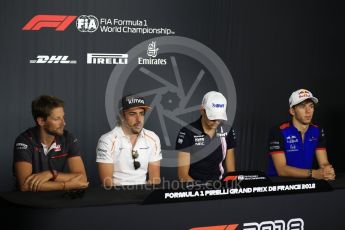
<point x="204" y="145"/>
<point x="294" y="145"/>
<point x="129" y="154"/>
<point x="42" y="153"/>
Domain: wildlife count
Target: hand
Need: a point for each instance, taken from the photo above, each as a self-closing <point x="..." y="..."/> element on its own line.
<point x="325" y="172"/>
<point x="328" y="172"/>
<point x="35" y="180"/>
<point x="317" y="173"/>
<point x="76" y="183"/>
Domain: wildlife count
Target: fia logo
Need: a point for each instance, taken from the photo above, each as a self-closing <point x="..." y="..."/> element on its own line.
<point x="152" y="51"/>
<point x="87" y="23"/>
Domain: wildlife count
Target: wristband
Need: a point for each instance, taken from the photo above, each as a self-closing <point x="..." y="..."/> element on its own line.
<point x="310" y="173"/>
<point x="55" y="175"/>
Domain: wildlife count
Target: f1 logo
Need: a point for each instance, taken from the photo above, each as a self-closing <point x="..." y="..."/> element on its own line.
<point x="293" y="224"/>
<point x="218" y="227"/>
<point x="59" y="22"/>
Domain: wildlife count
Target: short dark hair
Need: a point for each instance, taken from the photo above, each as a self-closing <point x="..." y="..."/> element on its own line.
<point x="43" y="106"/>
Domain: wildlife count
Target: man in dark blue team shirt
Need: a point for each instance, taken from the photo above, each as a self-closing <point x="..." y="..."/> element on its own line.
<point x="294" y="145"/>
<point x="42" y="153"/>
<point x="207" y="143"/>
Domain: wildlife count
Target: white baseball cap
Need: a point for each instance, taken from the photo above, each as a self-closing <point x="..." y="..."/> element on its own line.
<point x="301" y="95"/>
<point x="214" y="104"/>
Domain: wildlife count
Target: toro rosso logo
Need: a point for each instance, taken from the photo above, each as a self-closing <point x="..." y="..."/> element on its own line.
<point x="303" y="93"/>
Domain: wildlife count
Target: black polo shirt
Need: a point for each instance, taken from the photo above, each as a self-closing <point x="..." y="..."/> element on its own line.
<point x="206" y="154"/>
<point x="28" y="147"/>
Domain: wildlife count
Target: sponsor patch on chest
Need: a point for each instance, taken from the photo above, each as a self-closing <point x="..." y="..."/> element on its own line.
<point x="199" y="140"/>
<point x="291" y="139"/>
<point x="57" y="148"/>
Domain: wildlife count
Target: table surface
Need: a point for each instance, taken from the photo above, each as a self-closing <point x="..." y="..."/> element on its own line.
<point x="121" y="209"/>
<point x="100" y="196"/>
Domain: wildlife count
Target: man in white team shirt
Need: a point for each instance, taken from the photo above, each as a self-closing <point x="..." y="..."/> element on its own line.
<point x="129" y="154"/>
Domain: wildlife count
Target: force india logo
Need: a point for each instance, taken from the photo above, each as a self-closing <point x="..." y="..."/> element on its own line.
<point x="293" y="224"/>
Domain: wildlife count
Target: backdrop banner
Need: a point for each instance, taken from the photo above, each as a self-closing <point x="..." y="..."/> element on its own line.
<point x="91" y="53"/>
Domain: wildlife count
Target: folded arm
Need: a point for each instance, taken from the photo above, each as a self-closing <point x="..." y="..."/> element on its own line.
<point x="43" y="181"/>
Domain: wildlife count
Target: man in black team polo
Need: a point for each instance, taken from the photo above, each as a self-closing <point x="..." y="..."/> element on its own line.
<point x="207" y="145"/>
<point x="41" y="153"/>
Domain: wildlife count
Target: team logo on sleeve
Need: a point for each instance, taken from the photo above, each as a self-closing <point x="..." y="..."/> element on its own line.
<point x="274" y="145"/>
<point x="101" y="150"/>
<point x="322" y="133"/>
<point x="101" y="153"/>
<point x="181" y="136"/>
<point x="21" y="146"/>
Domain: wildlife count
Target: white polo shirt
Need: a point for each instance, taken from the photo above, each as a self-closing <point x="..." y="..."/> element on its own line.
<point x="115" y="148"/>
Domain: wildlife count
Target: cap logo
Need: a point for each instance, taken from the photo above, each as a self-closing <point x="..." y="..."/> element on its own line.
<point x="217" y="105"/>
<point x="303" y="93"/>
<point x="135" y="100"/>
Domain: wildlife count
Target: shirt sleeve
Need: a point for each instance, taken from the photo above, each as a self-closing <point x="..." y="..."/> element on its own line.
<point x="104" y="150"/>
<point x="231" y="139"/>
<point x="22" y="150"/>
<point x="184" y="142"/>
<point x="276" y="141"/>
<point x="321" y="144"/>
<point x="157" y="153"/>
<point x="73" y="146"/>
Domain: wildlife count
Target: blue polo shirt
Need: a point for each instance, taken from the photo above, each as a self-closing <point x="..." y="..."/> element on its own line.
<point x="206" y="154"/>
<point x="286" y="139"/>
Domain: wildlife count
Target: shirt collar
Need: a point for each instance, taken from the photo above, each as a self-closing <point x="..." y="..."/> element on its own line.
<point x="198" y="125"/>
<point x="292" y="125"/>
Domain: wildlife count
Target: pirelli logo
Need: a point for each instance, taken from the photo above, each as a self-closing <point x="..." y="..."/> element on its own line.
<point x="106" y="58"/>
